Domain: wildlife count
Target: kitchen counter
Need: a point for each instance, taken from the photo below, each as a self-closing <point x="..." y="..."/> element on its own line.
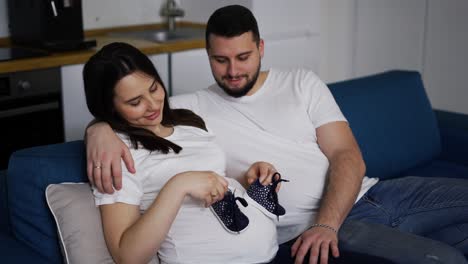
<point x="102" y="38"/>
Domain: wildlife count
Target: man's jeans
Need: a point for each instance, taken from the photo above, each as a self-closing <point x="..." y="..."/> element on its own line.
<point x="435" y="208"/>
<point x="376" y="230"/>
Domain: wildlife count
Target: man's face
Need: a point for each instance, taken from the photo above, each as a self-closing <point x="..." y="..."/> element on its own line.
<point x="235" y="63"/>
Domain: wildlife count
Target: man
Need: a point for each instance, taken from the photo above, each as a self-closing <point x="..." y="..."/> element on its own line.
<point x="290" y="119"/>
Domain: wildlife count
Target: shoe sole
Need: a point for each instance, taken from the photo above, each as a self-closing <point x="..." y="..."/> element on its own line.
<point x="261" y="208"/>
<point x="225" y="227"/>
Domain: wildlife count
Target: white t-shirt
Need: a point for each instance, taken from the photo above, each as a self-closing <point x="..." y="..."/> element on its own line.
<point x="196" y="235"/>
<point x="277" y="124"/>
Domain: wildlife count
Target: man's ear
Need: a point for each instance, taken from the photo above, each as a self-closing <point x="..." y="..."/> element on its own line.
<point x="261" y="46"/>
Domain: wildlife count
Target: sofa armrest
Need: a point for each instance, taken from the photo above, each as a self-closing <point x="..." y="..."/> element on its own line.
<point x="13" y="251"/>
<point x="454" y="136"/>
<point x="4" y="214"/>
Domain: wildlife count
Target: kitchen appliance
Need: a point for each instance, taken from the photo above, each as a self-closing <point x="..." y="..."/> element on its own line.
<point x="15" y="53"/>
<point x="30" y="110"/>
<point x="55" y="25"/>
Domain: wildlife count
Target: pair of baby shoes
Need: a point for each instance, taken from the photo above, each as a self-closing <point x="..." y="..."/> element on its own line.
<point x="263" y="197"/>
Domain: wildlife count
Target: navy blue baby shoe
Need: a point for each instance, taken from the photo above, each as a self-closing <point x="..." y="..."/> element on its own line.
<point x="229" y="214"/>
<point x="265" y="198"/>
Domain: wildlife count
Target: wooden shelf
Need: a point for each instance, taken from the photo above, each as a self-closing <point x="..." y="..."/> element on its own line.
<point x="102" y="38"/>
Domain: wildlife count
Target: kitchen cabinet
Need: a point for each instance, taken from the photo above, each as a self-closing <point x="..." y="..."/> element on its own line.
<point x="75" y="112"/>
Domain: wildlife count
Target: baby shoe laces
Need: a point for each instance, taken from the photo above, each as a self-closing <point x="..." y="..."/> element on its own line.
<point x="274" y="195"/>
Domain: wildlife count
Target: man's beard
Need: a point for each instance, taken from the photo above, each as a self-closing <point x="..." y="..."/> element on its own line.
<point x="243" y="90"/>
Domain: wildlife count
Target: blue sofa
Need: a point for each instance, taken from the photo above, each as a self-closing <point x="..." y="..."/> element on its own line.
<point x="398" y="132"/>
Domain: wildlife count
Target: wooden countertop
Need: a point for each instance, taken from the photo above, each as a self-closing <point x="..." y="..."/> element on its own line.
<point x="102" y="38"/>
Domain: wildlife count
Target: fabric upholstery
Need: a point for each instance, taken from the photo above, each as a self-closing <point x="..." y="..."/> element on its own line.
<point x="30" y="172"/>
<point x="4" y="219"/>
<point x="392" y="120"/>
<point x="13" y="251"/>
<point x="454" y="136"/>
<point x="439" y="168"/>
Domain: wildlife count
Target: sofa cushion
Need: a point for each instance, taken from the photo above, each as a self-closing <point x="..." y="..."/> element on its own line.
<point x="78" y="223"/>
<point x="392" y="120"/>
<point x="439" y="168"/>
<point x="453" y="129"/>
<point x="30" y="171"/>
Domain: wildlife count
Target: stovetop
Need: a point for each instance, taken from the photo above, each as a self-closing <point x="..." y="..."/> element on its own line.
<point x="15" y="53"/>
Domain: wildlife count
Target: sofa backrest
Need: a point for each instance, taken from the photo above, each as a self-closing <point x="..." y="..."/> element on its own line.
<point x="392" y="120"/>
<point x="30" y="171"/>
<point x="4" y="221"/>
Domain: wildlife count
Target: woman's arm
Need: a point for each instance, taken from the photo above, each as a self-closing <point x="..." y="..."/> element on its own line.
<point x="136" y="238"/>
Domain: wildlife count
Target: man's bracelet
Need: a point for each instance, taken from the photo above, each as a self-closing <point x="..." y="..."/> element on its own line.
<point x="324" y="226"/>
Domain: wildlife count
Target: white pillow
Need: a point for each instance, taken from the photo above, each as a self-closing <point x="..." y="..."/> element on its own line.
<point x="78" y="224"/>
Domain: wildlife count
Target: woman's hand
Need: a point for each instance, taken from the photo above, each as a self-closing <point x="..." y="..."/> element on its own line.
<point x="206" y="186"/>
<point x="104" y="152"/>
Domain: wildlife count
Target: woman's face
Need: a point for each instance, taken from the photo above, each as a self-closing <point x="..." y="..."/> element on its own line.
<point x="139" y="99"/>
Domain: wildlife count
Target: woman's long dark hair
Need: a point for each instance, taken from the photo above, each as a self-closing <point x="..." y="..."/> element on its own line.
<point x="101" y="74"/>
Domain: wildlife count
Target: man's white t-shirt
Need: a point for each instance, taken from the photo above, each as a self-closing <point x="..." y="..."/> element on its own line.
<point x="196" y="235"/>
<point x="276" y="124"/>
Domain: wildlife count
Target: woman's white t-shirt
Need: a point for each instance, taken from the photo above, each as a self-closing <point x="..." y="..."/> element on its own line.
<point x="196" y="235"/>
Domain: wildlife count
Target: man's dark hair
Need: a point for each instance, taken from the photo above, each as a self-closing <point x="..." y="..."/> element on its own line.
<point x="232" y="21"/>
<point x="102" y="73"/>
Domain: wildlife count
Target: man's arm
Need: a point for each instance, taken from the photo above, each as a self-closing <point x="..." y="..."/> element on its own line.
<point x="344" y="179"/>
<point x="104" y="152"/>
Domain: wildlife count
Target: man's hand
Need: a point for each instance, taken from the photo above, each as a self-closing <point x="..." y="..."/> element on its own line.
<point x="319" y="241"/>
<point x="104" y="151"/>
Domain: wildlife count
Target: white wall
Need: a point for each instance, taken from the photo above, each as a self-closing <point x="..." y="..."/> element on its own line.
<point x="364" y="37"/>
<point x="200" y="10"/>
<point x="390" y="35"/>
<point x="368" y="36"/>
<point x="278" y="18"/>
<point x="337" y="31"/>
<point x="446" y="55"/>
